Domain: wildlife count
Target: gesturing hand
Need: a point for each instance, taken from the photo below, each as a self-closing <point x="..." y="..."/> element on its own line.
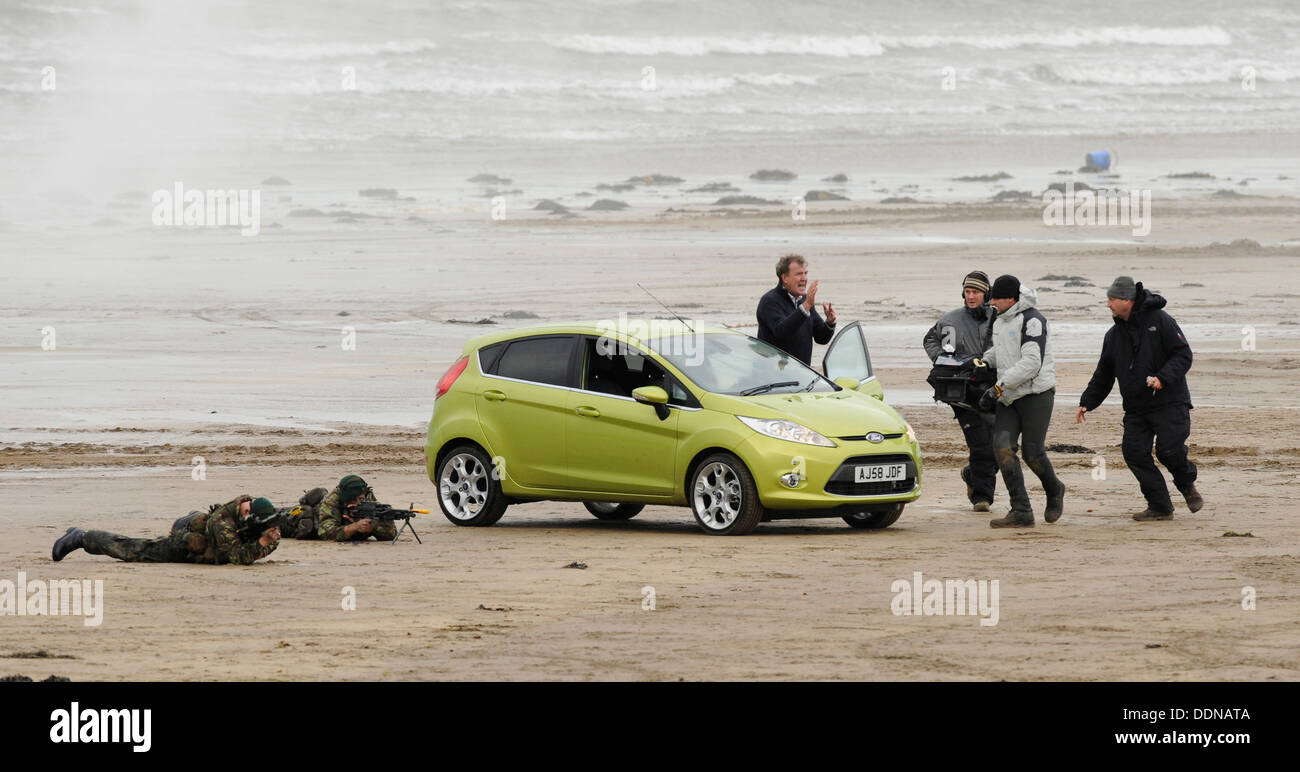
<point x="829" y="310"/>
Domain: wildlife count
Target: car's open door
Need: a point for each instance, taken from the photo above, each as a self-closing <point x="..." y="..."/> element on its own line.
<point x="847" y="357"/>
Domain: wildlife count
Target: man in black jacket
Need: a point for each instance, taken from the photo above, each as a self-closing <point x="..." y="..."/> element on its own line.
<point x="1146" y="351"/>
<point x="962" y="332"/>
<point x="787" y="314"/>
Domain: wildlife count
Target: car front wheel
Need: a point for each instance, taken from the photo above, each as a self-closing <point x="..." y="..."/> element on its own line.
<point x="875" y="519"/>
<point x="723" y="496"/>
<point x="612" y="510"/>
<point x="468" y="491"/>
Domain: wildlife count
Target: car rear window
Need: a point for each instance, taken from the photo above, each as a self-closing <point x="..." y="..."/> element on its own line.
<point x="487" y="357"/>
<point x="540" y="360"/>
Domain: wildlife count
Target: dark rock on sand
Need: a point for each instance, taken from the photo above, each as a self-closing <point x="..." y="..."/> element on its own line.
<point x="735" y="200"/>
<point x="1226" y="193"/>
<point x="1192" y="284"/>
<point x="841" y="178"/>
<point x="1012" y="195"/>
<point x="1059" y="187"/>
<point x="1062" y="171"/>
<point x="382" y="193"/>
<point x="276" y="181"/>
<point x="489" y="179"/>
<point x="655" y="179"/>
<point x="484" y="320"/>
<point x="773" y="175"/>
<point x="1191" y="176"/>
<point x="1059" y="277"/>
<point x="1091" y="169"/>
<point x="554" y="207"/>
<point x="1079" y="283"/>
<point x="1061" y="447"/>
<point x="493" y="193"/>
<point x="607" y="205"/>
<point x="620" y="187"/>
<point x="822" y="195"/>
<point x="519" y="315"/>
<point x="899" y="200"/>
<point x="714" y="187"/>
<point x="983" y="177"/>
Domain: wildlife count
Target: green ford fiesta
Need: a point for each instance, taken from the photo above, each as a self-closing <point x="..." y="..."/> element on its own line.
<point x="622" y="415"/>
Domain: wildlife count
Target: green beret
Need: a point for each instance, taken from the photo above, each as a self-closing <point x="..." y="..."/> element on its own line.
<point x="262" y="506"/>
<point x="352" y="486"/>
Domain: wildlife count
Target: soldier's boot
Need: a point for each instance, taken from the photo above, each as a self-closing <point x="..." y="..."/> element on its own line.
<point x="70" y="541"/>
<point x="1193" y="497"/>
<point x="1153" y="514"/>
<point x="1016" y="518"/>
<point x="1055" y="504"/>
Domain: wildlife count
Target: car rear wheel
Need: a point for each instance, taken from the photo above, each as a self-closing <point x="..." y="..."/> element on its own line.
<point x="724" y="497"/>
<point x="468" y="491"/>
<point x="612" y="510"/>
<point x="875" y="519"/>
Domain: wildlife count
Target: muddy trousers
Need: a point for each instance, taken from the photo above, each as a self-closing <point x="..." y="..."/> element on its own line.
<point x="1169" y="426"/>
<point x="1027" y="419"/>
<point x="981" y="473"/>
<point x="168" y="549"/>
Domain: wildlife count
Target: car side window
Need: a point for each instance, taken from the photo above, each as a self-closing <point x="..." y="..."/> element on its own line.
<point x="540" y="360"/>
<point x="617" y="370"/>
<point x="488" y="355"/>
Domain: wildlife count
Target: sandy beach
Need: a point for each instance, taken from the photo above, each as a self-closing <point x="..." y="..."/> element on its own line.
<point x="110" y="422"/>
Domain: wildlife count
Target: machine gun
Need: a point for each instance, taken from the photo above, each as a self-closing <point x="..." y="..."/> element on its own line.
<point x="369" y="508"/>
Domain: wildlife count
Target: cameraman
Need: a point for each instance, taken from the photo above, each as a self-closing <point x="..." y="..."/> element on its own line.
<point x="968" y="331"/>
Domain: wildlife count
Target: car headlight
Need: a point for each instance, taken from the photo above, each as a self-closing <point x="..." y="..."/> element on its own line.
<point x="911" y="434"/>
<point x="786" y="430"/>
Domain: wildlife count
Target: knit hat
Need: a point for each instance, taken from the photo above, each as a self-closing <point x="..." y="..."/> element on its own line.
<point x="352" y="486"/>
<point x="1122" y="288"/>
<point x="1006" y="286"/>
<point x="261" y="506"/>
<point x="978" y="280"/>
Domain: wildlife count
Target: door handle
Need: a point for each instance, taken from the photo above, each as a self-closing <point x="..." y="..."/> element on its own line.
<point x="587" y="411"/>
<point x="492" y="395"/>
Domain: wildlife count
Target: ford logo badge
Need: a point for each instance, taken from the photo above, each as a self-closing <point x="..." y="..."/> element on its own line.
<point x="875" y="437"/>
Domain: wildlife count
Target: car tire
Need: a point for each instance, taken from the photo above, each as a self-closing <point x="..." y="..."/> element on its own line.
<point x="875" y="519"/>
<point x="723" y="496"/>
<point x="468" y="491"/>
<point x="612" y="510"/>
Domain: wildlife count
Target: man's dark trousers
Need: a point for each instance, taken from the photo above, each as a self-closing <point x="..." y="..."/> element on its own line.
<point x="1169" y="427"/>
<point x="981" y="473"/>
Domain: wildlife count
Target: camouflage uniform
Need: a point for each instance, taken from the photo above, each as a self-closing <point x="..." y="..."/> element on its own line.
<point x="200" y="537"/>
<point x="299" y="522"/>
<point x="330" y="522"/>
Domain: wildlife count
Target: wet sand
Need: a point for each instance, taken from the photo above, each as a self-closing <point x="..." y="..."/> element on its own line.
<point x="102" y="433"/>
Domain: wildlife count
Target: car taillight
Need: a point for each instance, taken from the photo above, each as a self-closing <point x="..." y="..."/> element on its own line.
<point x="449" y="377"/>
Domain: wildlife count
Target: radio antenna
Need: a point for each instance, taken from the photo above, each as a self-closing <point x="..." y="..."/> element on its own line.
<point x="666" y="308"/>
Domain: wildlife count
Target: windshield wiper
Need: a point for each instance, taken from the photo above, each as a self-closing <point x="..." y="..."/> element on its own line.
<point x="766" y="388"/>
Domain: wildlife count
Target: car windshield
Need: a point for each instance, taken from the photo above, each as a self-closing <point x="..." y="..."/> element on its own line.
<point x="736" y="364"/>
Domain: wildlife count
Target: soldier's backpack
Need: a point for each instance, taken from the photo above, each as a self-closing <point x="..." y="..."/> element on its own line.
<point x="194" y="526"/>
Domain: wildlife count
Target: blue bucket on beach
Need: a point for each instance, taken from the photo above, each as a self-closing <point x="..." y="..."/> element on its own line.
<point x="1098" y="160"/>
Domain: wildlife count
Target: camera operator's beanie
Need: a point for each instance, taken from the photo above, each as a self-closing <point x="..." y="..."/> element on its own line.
<point x="1006" y="286"/>
<point x="1122" y="288"/>
<point x="976" y="280"/>
<point x="351" y="486"/>
<point x="261" y="506"/>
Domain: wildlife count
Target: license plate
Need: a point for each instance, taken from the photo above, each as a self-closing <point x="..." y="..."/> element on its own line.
<point x="879" y="473"/>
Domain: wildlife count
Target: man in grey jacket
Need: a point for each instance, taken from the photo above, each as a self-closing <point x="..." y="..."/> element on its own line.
<point x="1024" y="392"/>
<point x="963" y="332"/>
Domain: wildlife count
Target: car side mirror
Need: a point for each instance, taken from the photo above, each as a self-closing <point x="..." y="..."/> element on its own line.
<point x="654" y="396"/>
<point x="845" y="382"/>
<point x="873" y="389"/>
<point x="650" y="395"/>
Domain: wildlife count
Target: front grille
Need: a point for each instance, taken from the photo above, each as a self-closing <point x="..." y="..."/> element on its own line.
<point x="841" y="483"/>
<point x="863" y="437"/>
